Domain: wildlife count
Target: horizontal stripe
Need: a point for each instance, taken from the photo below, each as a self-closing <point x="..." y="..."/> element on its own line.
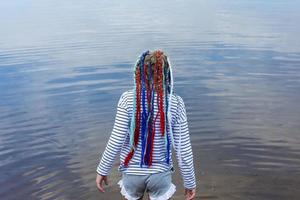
<point x="118" y="142"/>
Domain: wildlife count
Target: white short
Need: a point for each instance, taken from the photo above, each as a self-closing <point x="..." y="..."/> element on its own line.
<point x="159" y="186"/>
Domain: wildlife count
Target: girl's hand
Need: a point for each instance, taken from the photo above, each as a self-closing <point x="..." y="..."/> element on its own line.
<point x="190" y="194"/>
<point x="99" y="182"/>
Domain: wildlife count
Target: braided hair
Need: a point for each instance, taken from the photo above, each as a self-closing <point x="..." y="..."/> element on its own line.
<point x="152" y="75"/>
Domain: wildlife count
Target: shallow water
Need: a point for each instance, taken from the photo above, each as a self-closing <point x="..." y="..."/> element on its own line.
<point x="64" y="64"/>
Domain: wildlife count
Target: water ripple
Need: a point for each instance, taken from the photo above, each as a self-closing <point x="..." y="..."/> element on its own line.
<point x="62" y="71"/>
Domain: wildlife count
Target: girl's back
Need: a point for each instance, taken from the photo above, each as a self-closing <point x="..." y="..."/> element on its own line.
<point x="159" y="162"/>
<point x="149" y="120"/>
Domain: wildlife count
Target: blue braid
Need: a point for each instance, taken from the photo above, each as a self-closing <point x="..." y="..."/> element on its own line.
<point x="144" y="112"/>
<point x="150" y="130"/>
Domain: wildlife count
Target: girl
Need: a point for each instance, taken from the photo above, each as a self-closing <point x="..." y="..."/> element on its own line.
<point x="150" y="118"/>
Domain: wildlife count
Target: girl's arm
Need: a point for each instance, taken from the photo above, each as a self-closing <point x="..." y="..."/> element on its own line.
<point x="117" y="137"/>
<point x="183" y="147"/>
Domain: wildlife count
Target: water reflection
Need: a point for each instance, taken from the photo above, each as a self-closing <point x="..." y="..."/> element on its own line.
<point x="236" y="65"/>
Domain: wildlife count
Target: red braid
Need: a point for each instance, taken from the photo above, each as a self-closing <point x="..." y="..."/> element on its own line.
<point x="137" y="117"/>
<point x="156" y="84"/>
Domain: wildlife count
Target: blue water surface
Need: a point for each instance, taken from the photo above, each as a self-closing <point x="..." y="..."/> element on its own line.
<point x="64" y="64"/>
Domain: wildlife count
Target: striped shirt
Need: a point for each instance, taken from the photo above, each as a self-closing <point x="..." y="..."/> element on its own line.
<point x="119" y="143"/>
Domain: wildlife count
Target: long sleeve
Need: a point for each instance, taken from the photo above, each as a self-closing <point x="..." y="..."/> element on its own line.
<point x="183" y="147"/>
<point x="116" y="139"/>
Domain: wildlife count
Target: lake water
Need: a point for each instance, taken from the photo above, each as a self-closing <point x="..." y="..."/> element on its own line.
<point x="64" y="65"/>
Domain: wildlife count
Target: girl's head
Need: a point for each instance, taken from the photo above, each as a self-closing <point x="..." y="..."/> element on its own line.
<point x="152" y="71"/>
<point x="153" y="82"/>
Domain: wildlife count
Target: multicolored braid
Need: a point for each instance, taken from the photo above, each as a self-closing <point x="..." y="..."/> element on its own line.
<point x="153" y="75"/>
